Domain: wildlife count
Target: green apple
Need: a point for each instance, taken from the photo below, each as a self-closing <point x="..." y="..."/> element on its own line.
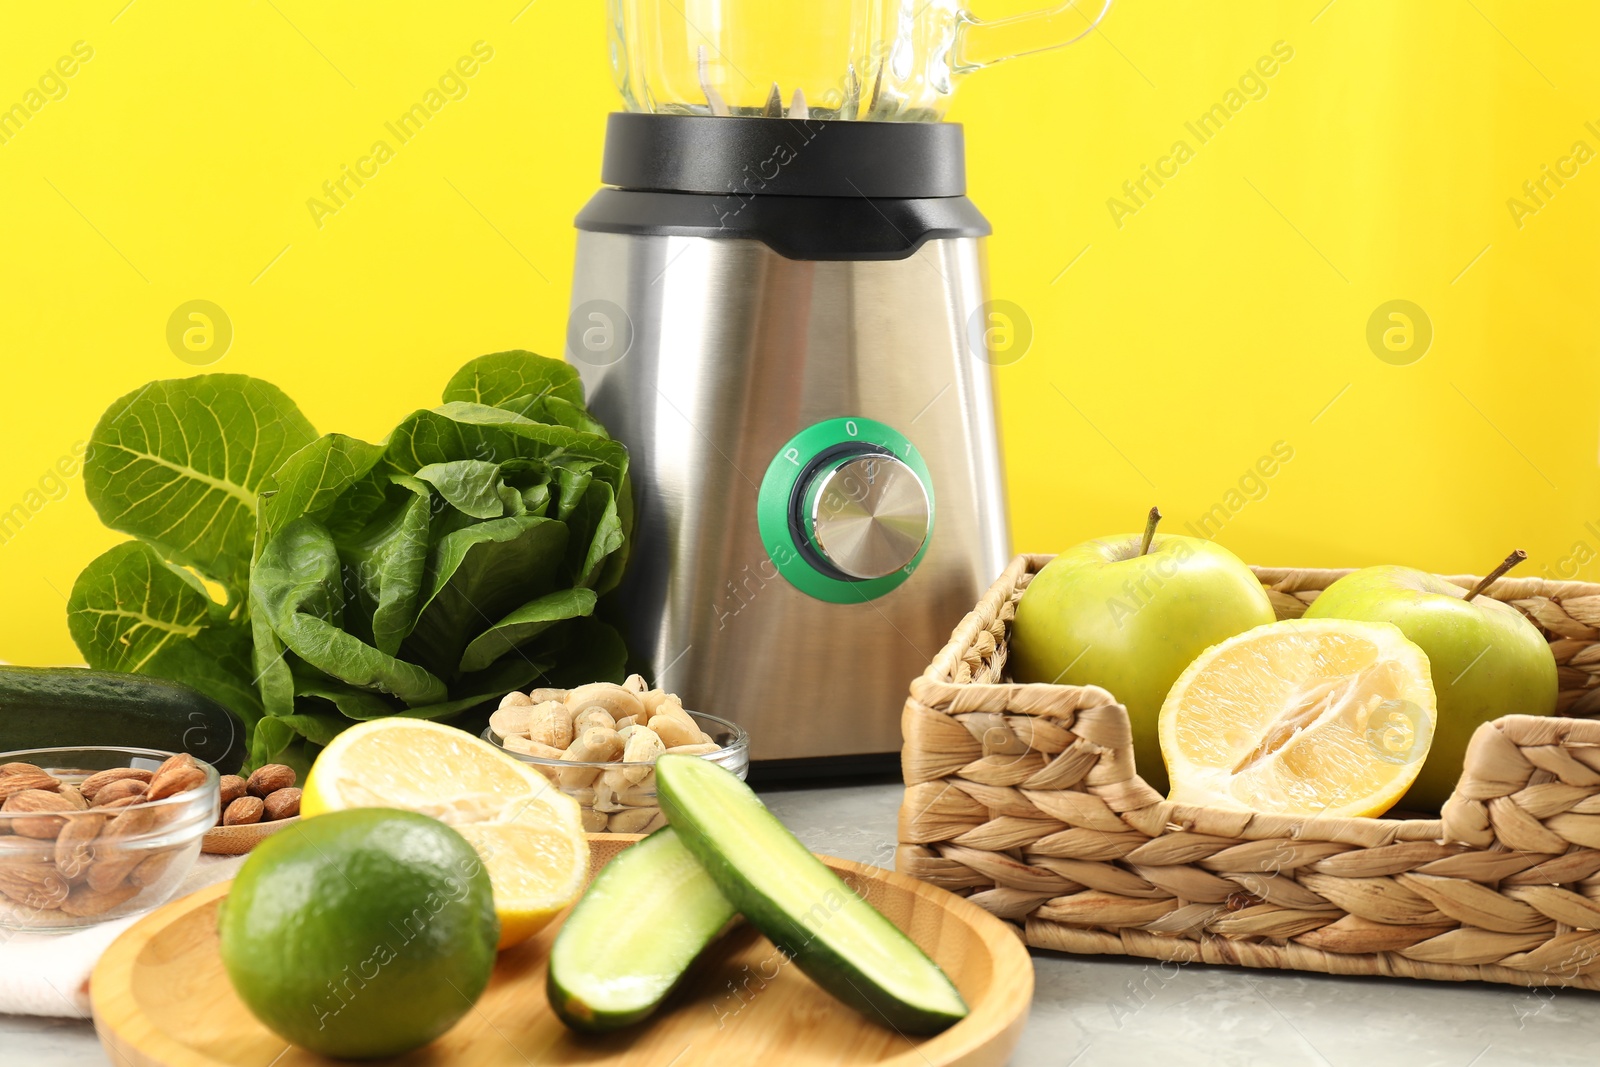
<point x="1487" y="659"/>
<point x="1129" y="614"/>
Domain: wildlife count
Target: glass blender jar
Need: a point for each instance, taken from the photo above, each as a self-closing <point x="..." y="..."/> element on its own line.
<point x="779" y="305"/>
<point x="826" y="59"/>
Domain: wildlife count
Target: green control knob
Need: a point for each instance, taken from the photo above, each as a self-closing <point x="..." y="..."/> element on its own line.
<point x="846" y="510"/>
<point x="867" y="515"/>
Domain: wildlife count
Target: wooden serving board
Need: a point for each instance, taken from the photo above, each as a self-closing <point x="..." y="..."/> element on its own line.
<point x="162" y="999"/>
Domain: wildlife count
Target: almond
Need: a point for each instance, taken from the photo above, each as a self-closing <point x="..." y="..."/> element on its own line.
<point x="231" y="787"/>
<point x="178" y="775"/>
<point x="75" y="844"/>
<point x="243" y="812"/>
<point x="269" y="779"/>
<point x="86" y="902"/>
<point x="17" y="782"/>
<point x="75" y="798"/>
<point x="152" y="867"/>
<point x="127" y="787"/>
<point x="33" y="885"/>
<point x="31" y="801"/>
<point x="133" y="818"/>
<point x="112" y="864"/>
<point x="92" y="785"/>
<point x="281" y="804"/>
<point x="16" y="768"/>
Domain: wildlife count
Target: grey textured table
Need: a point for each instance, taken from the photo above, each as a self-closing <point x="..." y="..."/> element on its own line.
<point x="1096" y="1011"/>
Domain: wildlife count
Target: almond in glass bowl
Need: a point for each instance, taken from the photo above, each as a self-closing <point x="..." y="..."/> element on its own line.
<point x="598" y="743"/>
<point x="91" y="834"/>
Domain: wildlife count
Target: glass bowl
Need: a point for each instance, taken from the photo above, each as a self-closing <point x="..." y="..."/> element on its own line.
<point x="620" y="798"/>
<point x="68" y="869"/>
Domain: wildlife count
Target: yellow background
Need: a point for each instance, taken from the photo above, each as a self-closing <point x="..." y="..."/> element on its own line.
<point x="1227" y="314"/>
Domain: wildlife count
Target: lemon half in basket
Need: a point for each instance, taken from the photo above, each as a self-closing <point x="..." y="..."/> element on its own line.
<point x="1301" y="717"/>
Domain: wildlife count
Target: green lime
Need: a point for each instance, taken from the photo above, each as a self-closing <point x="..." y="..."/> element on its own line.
<point x="360" y="933"/>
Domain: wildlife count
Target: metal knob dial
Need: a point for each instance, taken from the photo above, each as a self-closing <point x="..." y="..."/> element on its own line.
<point x="869" y="515"/>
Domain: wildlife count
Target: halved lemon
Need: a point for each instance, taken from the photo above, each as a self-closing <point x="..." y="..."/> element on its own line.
<point x="528" y="832"/>
<point x="1301" y="717"/>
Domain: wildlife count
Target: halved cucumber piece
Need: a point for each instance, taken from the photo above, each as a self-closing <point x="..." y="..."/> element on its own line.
<point x="844" y="944"/>
<point x="631" y="938"/>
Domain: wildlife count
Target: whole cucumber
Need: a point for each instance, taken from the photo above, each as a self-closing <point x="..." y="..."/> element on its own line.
<point x="65" y="707"/>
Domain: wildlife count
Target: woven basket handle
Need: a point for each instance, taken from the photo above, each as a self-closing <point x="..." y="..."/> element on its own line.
<point x="1530" y="784"/>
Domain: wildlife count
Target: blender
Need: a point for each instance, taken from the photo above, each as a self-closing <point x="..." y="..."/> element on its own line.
<point x="779" y="306"/>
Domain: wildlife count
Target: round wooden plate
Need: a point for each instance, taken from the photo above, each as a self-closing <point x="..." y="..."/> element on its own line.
<point x="162" y="999"/>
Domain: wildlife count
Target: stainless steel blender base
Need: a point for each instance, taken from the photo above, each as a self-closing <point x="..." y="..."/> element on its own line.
<point x="721" y="351"/>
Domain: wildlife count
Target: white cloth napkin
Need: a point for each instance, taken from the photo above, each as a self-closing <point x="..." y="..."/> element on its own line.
<point x="48" y="974"/>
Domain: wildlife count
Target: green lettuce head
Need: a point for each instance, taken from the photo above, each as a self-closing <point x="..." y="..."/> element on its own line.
<point x="427" y="575"/>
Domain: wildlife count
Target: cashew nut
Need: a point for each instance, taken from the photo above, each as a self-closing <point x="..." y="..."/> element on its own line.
<point x="550" y="723"/>
<point x="634" y="820"/>
<point x="675" y="731"/>
<point x="616" y="700"/>
<point x="511" y="719"/>
<point x="700" y="749"/>
<point x="639" y="752"/>
<point x="593" y="717"/>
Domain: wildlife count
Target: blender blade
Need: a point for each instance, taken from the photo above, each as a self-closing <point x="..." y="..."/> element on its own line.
<point x="852" y="95"/>
<point x="714" y="99"/>
<point x="877" y="92"/>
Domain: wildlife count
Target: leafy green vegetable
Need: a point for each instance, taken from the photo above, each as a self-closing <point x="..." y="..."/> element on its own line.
<point x="387" y="562"/>
<point x="526" y="623"/>
<point x="178" y="465"/>
<point x="312" y="582"/>
<point x="271" y="740"/>
<point x="297" y="586"/>
<point x="313" y="479"/>
<point x="504" y="376"/>
<point x="132" y="611"/>
<point x="476" y="575"/>
<point x="469" y="485"/>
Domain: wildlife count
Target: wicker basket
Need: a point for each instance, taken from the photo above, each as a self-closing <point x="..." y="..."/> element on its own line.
<point x="1024" y="798"/>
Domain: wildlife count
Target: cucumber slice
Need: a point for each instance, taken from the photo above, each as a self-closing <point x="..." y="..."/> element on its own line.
<point x="844" y="944"/>
<point x="633" y="935"/>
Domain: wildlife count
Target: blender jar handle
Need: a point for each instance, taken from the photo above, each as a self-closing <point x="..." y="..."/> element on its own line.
<point x="983" y="43"/>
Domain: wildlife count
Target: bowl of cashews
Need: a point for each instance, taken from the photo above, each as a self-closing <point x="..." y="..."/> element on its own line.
<point x="599" y="742"/>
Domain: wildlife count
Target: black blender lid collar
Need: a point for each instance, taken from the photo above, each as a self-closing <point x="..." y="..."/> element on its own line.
<point x="748" y="156"/>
